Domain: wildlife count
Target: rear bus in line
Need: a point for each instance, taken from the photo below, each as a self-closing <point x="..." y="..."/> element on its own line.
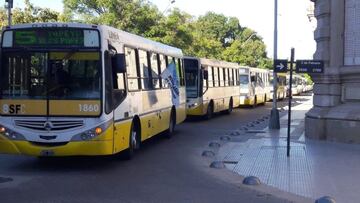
<point x="76" y="89"/>
<point x="211" y="86"/>
<point x="253" y="86"/>
<point x="281" y="85"/>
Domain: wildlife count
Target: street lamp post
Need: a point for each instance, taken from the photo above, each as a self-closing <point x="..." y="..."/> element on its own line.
<point x="9" y="6"/>
<point x="167" y="7"/>
<point x="274" y="116"/>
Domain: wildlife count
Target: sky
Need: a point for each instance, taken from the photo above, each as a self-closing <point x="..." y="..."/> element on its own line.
<point x="294" y="28"/>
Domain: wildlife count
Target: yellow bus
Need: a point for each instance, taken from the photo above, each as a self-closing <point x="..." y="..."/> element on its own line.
<point x="76" y="89"/>
<point x="281" y="85"/>
<point x="254" y="88"/>
<point x="211" y="86"/>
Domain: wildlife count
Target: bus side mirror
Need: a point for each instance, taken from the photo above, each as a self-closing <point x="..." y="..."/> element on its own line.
<point x="206" y="75"/>
<point x="118" y="61"/>
<point x="252" y="78"/>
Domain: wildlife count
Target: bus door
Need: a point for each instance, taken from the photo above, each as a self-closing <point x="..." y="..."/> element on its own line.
<point x="245" y="85"/>
<point x="115" y="88"/>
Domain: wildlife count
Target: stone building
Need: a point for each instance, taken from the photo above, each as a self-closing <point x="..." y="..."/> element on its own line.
<point x="336" y="112"/>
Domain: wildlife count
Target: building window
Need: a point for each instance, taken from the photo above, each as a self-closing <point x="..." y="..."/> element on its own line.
<point x="352" y="33"/>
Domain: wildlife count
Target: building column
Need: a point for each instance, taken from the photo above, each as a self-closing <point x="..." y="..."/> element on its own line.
<point x="329" y="37"/>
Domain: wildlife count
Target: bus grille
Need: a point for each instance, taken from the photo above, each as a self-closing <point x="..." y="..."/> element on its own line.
<point x="44" y="125"/>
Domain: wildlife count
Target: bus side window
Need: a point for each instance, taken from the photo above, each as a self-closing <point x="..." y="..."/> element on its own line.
<point x="216" y="76"/>
<point x="181" y="68"/>
<point x="108" y="83"/>
<point x="260" y="82"/>
<point x="210" y="76"/>
<point x="131" y="67"/>
<point x="118" y="80"/>
<point x="144" y="70"/>
<point x="226" y="78"/>
<point x="237" y="81"/>
<point x="221" y="76"/>
<point x="163" y="65"/>
<point x="178" y="69"/>
<point x="155" y="75"/>
<point x="229" y="76"/>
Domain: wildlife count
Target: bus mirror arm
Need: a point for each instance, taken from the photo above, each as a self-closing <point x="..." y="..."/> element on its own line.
<point x="118" y="61"/>
<point x="207" y="87"/>
<point x="206" y="75"/>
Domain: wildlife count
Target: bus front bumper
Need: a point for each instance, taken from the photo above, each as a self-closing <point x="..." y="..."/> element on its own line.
<point x="195" y="111"/>
<point x="245" y="100"/>
<point x="74" y="148"/>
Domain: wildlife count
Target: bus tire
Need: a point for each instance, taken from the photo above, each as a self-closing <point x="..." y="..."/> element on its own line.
<point x="209" y="111"/>
<point x="231" y="107"/>
<point x="255" y="102"/>
<point x="172" y="123"/>
<point x="134" y="140"/>
<point x="265" y="100"/>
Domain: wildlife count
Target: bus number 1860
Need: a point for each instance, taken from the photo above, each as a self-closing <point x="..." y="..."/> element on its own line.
<point x="89" y="107"/>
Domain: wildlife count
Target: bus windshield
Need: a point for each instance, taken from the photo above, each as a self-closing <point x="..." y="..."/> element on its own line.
<point x="50" y="75"/>
<point x="192" y="78"/>
<point x="244" y="79"/>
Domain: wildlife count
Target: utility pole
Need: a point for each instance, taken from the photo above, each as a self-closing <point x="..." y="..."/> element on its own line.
<point x="9" y="6"/>
<point x="274" y="122"/>
<point x="167" y="7"/>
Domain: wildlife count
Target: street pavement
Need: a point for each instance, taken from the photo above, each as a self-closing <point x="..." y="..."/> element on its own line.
<point x="164" y="170"/>
<point x="313" y="170"/>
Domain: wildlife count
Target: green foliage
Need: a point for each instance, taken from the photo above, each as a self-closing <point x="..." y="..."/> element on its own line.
<point x="175" y="29"/>
<point x="32" y="14"/>
<point x="308" y="79"/>
<point x="135" y="16"/>
<point x="3" y="17"/>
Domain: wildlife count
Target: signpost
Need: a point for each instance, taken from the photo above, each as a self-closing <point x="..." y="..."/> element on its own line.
<point x="309" y="66"/>
<point x="290" y="100"/>
<point x="302" y="66"/>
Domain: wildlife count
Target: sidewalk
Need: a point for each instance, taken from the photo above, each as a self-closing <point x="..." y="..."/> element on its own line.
<point x="314" y="168"/>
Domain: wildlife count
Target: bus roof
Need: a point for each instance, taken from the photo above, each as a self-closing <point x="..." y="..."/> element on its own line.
<point x="136" y="41"/>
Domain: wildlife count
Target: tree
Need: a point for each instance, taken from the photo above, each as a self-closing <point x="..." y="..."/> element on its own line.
<point x="137" y="17"/>
<point x="249" y="50"/>
<point x="32" y="14"/>
<point x="175" y="30"/>
<point x="220" y="37"/>
<point x="3" y="17"/>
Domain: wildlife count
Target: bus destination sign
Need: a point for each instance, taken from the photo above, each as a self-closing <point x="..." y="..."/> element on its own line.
<point x="49" y="37"/>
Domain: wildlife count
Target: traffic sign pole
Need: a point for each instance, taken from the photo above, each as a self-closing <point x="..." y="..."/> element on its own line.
<point x="290" y="101"/>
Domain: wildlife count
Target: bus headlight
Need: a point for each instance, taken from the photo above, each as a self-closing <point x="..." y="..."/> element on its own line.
<point x="12" y="135"/>
<point x="193" y="105"/>
<point x="92" y="133"/>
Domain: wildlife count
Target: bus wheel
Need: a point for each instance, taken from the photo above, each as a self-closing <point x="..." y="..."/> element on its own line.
<point x="264" y="100"/>
<point x="255" y="102"/>
<point x="134" y="142"/>
<point x="209" y="111"/>
<point x="172" y="124"/>
<point x="230" y="109"/>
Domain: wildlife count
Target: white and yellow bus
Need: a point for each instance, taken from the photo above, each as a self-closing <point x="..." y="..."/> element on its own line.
<point x="254" y="86"/>
<point x="281" y="85"/>
<point x="75" y="89"/>
<point x="211" y="86"/>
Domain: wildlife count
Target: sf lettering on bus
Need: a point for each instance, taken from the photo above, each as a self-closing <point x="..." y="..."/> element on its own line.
<point x="15" y="109"/>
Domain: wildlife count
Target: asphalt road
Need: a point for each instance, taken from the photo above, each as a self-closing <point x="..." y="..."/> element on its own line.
<point x="164" y="170"/>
